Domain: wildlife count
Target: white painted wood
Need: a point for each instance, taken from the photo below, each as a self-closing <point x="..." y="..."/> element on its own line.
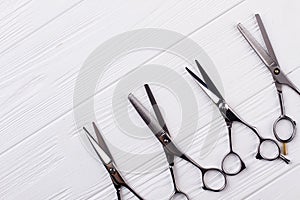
<point x="45" y="43"/>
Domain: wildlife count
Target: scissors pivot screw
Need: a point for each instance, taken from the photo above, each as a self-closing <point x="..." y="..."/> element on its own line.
<point x="276" y="71"/>
<point x="112" y="170"/>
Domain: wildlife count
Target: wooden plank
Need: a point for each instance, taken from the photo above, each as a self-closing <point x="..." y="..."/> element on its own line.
<point x="40" y="71"/>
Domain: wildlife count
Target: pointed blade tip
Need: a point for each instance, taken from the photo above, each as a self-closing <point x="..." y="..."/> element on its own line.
<point x="147" y="88"/>
<point x="87" y="133"/>
<point x="85" y="129"/>
<point x="130" y="96"/>
<point x="240" y="26"/>
<point x="187" y="69"/>
<point x="95" y="127"/>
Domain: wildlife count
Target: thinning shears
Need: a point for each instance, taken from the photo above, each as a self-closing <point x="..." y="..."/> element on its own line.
<point x="106" y="158"/>
<point x="169" y="155"/>
<point x="213" y="179"/>
<point x="230" y="116"/>
<point x="269" y="59"/>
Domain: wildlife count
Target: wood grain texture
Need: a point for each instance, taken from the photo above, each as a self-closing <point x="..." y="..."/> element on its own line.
<point x="43" y="47"/>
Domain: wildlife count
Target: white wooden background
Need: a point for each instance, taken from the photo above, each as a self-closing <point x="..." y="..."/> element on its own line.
<point x="43" y="45"/>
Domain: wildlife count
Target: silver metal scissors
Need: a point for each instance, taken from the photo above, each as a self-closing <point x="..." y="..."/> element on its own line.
<point x="269" y="59"/>
<point x="230" y="116"/>
<point x="104" y="155"/>
<point x="169" y="155"/>
<point x="213" y="179"/>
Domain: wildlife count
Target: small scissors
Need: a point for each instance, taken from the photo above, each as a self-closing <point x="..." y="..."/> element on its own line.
<point x="104" y="154"/>
<point x="269" y="59"/>
<point x="213" y="179"/>
<point x="169" y="155"/>
<point x="230" y="116"/>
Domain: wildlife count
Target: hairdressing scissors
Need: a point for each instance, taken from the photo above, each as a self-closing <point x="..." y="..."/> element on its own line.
<point x="213" y="179"/>
<point x="269" y="59"/>
<point x="230" y="116"/>
<point x="169" y="155"/>
<point x="104" y="155"/>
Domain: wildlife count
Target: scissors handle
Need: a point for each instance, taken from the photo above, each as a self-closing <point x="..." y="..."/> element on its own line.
<point x="119" y="193"/>
<point x="133" y="192"/>
<point x="229" y="126"/>
<point x="232" y="156"/>
<point x="209" y="177"/>
<point x="266" y="143"/>
<point x="173" y="178"/>
<point x="207" y="174"/>
<point x="118" y="181"/>
<point x="177" y="191"/>
<point x="263" y="154"/>
<point x="241" y="165"/>
<point x="276" y="132"/>
<point x="281" y="118"/>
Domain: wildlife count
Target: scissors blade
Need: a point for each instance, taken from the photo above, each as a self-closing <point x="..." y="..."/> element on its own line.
<point x="259" y="50"/>
<point x="161" y="121"/>
<point x="99" y="151"/>
<point x="203" y="86"/>
<point x="151" y="122"/>
<point x="101" y="141"/>
<point x="154" y="126"/>
<point x="156" y="109"/>
<point x="210" y="85"/>
<point x="266" y="38"/>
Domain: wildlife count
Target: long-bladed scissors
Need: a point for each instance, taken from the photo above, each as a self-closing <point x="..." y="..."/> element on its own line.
<point x="213" y="179"/>
<point x="104" y="155"/>
<point x="230" y="116"/>
<point x="169" y="155"/>
<point x="269" y="59"/>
